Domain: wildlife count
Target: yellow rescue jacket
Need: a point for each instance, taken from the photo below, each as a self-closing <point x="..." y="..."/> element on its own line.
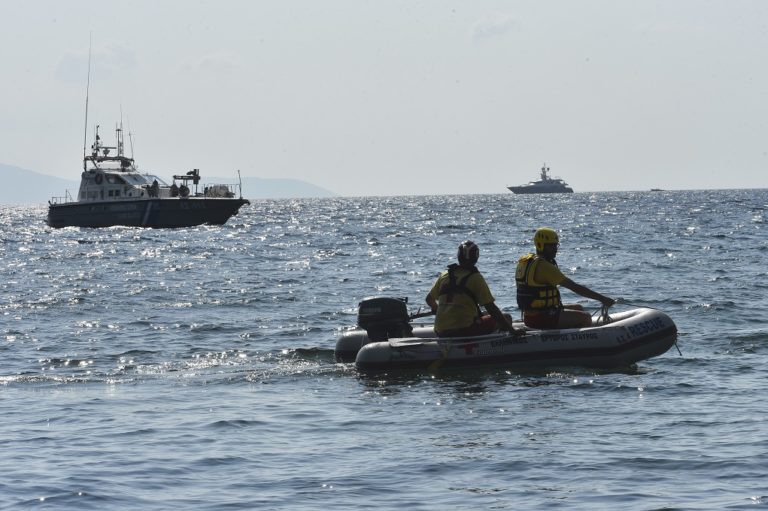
<point x="534" y="297"/>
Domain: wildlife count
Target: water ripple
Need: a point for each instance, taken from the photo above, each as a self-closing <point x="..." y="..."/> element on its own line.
<point x="193" y="368"/>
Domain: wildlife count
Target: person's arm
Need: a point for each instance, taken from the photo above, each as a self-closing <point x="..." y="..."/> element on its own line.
<point x="432" y="303"/>
<point x="586" y="292"/>
<point x="496" y="314"/>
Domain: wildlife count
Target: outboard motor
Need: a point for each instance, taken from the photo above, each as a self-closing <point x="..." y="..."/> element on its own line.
<point x="384" y="318"/>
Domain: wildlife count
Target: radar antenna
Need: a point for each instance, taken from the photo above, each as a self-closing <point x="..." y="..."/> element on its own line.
<point x="87" y="89"/>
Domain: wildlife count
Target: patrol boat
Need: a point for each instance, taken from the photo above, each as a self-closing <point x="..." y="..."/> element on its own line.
<point x="114" y="192"/>
<point x="387" y="340"/>
<point x="545" y="184"/>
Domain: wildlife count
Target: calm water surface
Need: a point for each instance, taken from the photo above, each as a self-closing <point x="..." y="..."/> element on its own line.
<point x="193" y="368"/>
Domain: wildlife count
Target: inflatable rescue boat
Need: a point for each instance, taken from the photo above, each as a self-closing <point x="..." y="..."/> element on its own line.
<point x="387" y="340"/>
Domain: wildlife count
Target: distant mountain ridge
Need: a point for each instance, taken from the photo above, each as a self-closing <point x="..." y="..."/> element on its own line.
<point x="23" y="186"/>
<point x="274" y="188"/>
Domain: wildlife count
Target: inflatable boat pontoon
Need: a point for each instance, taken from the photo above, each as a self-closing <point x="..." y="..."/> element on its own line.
<point x="625" y="339"/>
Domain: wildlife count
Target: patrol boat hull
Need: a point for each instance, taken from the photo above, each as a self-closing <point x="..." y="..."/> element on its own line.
<point x="155" y="212"/>
<point x="630" y="337"/>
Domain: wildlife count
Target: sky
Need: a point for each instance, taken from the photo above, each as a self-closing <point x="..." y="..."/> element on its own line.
<point x="390" y="97"/>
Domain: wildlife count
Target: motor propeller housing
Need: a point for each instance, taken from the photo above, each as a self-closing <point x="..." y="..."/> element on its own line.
<point x="384" y="318"/>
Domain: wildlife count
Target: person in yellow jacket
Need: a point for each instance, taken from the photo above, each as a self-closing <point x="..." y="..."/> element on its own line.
<point x="538" y="277"/>
<point x="456" y="297"/>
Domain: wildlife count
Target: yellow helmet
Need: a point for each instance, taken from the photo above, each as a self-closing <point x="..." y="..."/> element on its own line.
<point x="543" y="236"/>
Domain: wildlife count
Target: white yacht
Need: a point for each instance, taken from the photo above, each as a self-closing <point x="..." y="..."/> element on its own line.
<point x="544" y="185"/>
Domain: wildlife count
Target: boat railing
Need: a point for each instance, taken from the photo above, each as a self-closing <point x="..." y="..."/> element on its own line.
<point x="218" y="190"/>
<point x="62" y="200"/>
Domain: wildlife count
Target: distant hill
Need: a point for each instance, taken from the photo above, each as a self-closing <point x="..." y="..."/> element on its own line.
<point x="22" y="186"/>
<point x="262" y="188"/>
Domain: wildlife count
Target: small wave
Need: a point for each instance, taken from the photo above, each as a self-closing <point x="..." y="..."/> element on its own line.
<point x="318" y="354"/>
<point x="222" y="461"/>
<point x="57" y="363"/>
<point x="749" y="341"/>
<point x="235" y="423"/>
<point x="47" y="379"/>
<point x="79" y="499"/>
<point x="213" y="327"/>
<point x="137" y="353"/>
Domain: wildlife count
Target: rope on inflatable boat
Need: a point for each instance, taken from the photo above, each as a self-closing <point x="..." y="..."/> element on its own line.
<point x="604" y="317"/>
<point x="607" y="319"/>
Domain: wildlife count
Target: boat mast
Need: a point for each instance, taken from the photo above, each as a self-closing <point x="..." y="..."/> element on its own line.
<point x="87" y="89"/>
<point x="119" y="132"/>
<point x="130" y="140"/>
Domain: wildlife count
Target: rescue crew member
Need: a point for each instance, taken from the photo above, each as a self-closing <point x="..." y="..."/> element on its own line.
<point x="457" y="295"/>
<point x="537" y="277"/>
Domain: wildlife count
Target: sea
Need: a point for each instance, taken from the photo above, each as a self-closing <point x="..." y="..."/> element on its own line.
<point x="193" y="369"/>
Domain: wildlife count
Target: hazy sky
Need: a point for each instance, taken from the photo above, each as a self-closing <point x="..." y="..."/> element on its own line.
<point x="397" y="97"/>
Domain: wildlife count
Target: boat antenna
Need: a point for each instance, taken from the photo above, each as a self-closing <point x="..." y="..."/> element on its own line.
<point x="87" y="89"/>
<point x="120" y="143"/>
<point x="239" y="178"/>
<point x="130" y="138"/>
<point x="130" y="134"/>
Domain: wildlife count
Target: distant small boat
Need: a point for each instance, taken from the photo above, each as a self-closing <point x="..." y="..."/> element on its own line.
<point x="544" y="185"/>
<point x="656" y="190"/>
